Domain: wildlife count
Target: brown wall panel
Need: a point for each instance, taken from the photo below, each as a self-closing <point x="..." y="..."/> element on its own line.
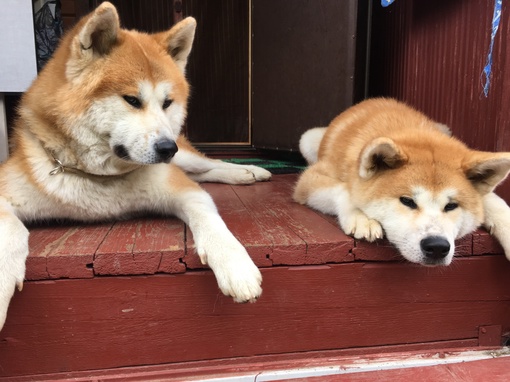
<point x="219" y="72"/>
<point x="304" y="55"/>
<point x="307" y="64"/>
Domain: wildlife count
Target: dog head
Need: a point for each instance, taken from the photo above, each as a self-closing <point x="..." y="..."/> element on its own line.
<point x="123" y="94"/>
<point x="426" y="191"/>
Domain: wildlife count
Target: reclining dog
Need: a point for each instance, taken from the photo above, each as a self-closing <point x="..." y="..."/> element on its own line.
<point x="385" y="169"/>
<point x="97" y="138"/>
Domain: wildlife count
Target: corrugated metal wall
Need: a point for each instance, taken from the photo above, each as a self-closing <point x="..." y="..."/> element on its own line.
<point x="431" y="54"/>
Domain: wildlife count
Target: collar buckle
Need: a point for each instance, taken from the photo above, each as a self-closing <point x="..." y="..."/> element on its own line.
<point x="59" y="168"/>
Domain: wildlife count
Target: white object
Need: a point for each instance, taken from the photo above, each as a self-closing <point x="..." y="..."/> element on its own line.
<point x="17" y="56"/>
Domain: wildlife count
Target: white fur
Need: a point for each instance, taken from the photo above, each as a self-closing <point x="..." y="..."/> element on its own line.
<point x="13" y="253"/>
<point x="310" y="142"/>
<point x="236" y="274"/>
<point x="336" y="201"/>
<point x="497" y="220"/>
<point x="139" y="130"/>
<point x="203" y="169"/>
<point x="406" y="227"/>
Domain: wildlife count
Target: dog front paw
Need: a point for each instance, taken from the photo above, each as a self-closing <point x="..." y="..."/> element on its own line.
<point x="242" y="176"/>
<point x="260" y="174"/>
<point x="249" y="174"/>
<point x="497" y="220"/>
<point x="235" y="272"/>
<point x="361" y="226"/>
<point x="500" y="231"/>
<point x="240" y="280"/>
<point x="12" y="274"/>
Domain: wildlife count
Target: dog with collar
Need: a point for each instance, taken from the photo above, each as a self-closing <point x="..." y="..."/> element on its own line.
<point x="98" y="138"/>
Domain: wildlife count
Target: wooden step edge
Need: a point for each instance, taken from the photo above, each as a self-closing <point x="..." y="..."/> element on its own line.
<point x="290" y="365"/>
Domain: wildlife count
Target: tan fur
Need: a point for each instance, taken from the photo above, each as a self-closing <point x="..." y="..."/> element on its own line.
<point x="93" y="139"/>
<point x="380" y="150"/>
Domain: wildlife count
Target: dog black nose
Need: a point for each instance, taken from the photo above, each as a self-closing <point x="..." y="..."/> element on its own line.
<point x="435" y="247"/>
<point x="166" y="149"/>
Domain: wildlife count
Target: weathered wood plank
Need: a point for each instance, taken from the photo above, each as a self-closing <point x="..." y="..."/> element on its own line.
<point x="144" y="246"/>
<point x="263" y="207"/>
<point x="106" y="322"/>
<point x="300" y="235"/>
<point x="483" y="243"/>
<point x="240" y="222"/>
<point x="326" y="242"/>
<point x="274" y="229"/>
<point x="64" y="251"/>
<point x="379" y="250"/>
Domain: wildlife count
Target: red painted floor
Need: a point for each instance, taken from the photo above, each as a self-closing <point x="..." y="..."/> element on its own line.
<point x="133" y="296"/>
<point x="275" y="230"/>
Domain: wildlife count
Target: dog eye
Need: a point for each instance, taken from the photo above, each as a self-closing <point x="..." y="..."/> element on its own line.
<point x="450" y="207"/>
<point x="133" y="101"/>
<point x="167" y="103"/>
<point x="408" y="202"/>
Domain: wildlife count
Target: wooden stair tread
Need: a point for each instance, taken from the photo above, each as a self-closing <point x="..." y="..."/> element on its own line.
<point x="274" y="229"/>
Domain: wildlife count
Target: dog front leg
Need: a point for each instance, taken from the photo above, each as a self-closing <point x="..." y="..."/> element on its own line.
<point x="497" y="220"/>
<point x="13" y="254"/>
<point x="235" y="272"/>
<point x="203" y="169"/>
<point x="331" y="197"/>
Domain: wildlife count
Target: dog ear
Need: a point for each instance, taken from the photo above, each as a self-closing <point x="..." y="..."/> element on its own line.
<point x="380" y="154"/>
<point x="99" y="33"/>
<point x="444" y="129"/>
<point x="178" y="41"/>
<point x="486" y="170"/>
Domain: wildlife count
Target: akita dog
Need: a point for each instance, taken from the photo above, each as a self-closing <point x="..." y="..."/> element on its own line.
<point x="97" y="138"/>
<point x="384" y="168"/>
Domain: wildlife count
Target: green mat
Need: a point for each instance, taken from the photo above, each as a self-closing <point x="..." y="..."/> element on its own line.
<point x="272" y="165"/>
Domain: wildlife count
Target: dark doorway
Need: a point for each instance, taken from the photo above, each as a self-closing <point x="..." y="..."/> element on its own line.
<point x="264" y="71"/>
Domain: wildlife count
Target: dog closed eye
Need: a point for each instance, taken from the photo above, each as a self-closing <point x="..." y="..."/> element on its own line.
<point x="450" y="206"/>
<point x="133" y="101"/>
<point x="167" y="103"/>
<point x="408" y="202"/>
